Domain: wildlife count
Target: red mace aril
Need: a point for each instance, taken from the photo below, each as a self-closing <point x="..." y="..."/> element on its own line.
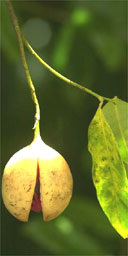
<point x="36" y="178"/>
<point x="36" y="203"/>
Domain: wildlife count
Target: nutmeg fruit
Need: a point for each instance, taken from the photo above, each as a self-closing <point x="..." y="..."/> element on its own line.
<point x="36" y="178"/>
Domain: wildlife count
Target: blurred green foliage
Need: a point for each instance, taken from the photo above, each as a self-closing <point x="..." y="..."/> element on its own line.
<point x="87" y="43"/>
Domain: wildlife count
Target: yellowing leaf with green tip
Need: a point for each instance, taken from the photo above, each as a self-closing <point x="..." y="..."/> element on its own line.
<point x="109" y="175"/>
<point x="117" y="117"/>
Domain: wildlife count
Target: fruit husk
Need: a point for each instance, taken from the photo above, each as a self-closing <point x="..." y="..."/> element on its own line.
<point x="19" y="181"/>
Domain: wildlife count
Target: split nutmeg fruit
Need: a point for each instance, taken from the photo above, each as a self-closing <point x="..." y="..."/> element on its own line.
<point x="36" y="178"/>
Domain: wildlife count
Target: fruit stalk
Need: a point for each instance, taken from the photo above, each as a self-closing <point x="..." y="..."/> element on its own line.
<point x="25" y="65"/>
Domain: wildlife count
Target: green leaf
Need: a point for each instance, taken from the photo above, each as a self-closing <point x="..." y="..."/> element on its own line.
<point x="61" y="235"/>
<point x="117" y="117"/>
<point x="109" y="175"/>
<point x="8" y="39"/>
<point x="81" y="212"/>
<point x="75" y="232"/>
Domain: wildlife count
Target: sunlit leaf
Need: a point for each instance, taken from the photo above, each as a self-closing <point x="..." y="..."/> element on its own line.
<point x="117" y="117"/>
<point x="63" y="47"/>
<point x="80" y="16"/>
<point x="65" y="40"/>
<point x="109" y="174"/>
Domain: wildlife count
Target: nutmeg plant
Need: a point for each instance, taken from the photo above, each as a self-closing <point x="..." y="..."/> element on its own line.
<point x="37" y="177"/>
<point x="29" y="168"/>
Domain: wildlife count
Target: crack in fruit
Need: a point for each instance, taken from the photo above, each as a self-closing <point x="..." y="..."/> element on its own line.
<point x="36" y="202"/>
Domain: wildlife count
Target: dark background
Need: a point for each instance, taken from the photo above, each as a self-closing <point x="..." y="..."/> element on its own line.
<point x="86" y="42"/>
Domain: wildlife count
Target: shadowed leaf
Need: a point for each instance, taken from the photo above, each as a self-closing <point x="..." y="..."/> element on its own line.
<point x="62" y="236"/>
<point x="117" y="117"/>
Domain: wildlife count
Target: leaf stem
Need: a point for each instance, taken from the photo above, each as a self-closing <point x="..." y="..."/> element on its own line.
<point x="23" y="58"/>
<point x="99" y="97"/>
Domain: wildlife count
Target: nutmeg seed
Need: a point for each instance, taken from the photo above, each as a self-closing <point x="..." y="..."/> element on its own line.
<point x="21" y="173"/>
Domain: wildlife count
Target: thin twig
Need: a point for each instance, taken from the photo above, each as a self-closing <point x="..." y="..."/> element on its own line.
<point x="99" y="97"/>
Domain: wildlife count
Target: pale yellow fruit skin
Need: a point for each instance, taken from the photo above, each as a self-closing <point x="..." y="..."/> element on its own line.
<point x="18" y="183"/>
<point x="55" y="183"/>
